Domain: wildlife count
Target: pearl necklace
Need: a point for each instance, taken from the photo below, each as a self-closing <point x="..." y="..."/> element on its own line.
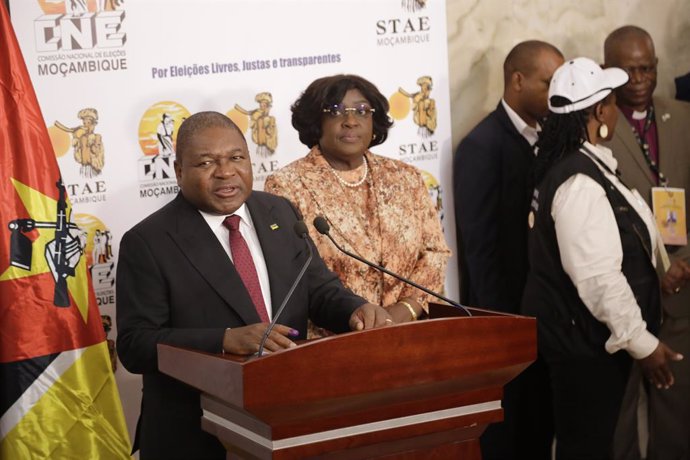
<point x="352" y="184"/>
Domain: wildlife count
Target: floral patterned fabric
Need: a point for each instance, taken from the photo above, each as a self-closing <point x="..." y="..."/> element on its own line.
<point x="389" y="220"/>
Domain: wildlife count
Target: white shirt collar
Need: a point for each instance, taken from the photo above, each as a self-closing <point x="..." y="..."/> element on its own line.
<point x="530" y="134"/>
<point x="604" y="154"/>
<point x="215" y="220"/>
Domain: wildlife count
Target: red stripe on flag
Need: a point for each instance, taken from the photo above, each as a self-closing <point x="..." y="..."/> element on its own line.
<point x="31" y="324"/>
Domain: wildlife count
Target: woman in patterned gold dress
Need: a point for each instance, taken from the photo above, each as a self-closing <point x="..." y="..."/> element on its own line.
<point x="377" y="207"/>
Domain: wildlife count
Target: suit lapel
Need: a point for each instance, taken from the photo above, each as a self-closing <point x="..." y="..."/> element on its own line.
<point x="527" y="151"/>
<point x="199" y="244"/>
<point x="665" y="135"/>
<point x="320" y="182"/>
<point x="272" y="233"/>
<point x="632" y="149"/>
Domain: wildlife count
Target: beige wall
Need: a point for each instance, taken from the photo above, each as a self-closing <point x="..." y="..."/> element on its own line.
<point x="481" y="32"/>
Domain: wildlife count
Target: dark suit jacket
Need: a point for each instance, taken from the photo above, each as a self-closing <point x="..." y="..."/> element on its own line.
<point x="673" y="128"/>
<point x="492" y="180"/>
<point x="176" y="285"/>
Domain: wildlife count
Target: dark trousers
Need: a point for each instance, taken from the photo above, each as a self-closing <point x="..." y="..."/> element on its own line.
<point x="587" y="397"/>
<point x="527" y="429"/>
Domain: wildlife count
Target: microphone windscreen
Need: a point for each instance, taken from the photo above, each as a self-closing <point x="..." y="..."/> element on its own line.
<point x="300" y="228"/>
<point x="321" y="225"/>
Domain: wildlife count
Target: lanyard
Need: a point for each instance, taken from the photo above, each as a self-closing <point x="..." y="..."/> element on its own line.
<point x="644" y="146"/>
<point x="593" y="156"/>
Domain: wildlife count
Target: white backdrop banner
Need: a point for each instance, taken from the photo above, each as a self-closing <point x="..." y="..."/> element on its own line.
<point x="116" y="78"/>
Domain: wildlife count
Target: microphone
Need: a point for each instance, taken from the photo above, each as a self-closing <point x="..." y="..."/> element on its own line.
<point x="322" y="227"/>
<point x="301" y="229"/>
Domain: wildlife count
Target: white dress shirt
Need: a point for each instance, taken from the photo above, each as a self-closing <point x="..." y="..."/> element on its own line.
<point x="591" y="253"/>
<point x="530" y="134"/>
<point x="248" y="232"/>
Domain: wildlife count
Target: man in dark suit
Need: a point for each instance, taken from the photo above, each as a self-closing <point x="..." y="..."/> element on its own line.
<point x="652" y="145"/>
<point x="187" y="280"/>
<point x="492" y="180"/>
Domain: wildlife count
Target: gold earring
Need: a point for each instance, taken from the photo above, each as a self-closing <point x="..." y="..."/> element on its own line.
<point x="373" y="137"/>
<point x="603" y="131"/>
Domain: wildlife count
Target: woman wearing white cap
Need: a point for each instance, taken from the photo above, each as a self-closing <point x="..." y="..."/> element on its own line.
<point x="592" y="284"/>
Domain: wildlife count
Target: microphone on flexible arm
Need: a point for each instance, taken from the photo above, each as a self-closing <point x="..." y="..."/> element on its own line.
<point x="301" y="229"/>
<point x="322" y="226"/>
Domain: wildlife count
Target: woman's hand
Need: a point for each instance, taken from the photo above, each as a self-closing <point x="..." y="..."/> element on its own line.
<point x="405" y="310"/>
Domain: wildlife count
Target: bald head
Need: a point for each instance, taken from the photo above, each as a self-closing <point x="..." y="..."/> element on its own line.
<point x="620" y="38"/>
<point x="525" y="57"/>
<point x="527" y="72"/>
<point x="632" y="49"/>
<point x="199" y="122"/>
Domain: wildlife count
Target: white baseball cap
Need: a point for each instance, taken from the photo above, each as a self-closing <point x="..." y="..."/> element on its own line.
<point x="583" y="82"/>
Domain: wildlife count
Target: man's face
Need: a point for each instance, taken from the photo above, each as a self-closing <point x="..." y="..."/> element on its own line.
<point x="635" y="56"/>
<point x="214" y="172"/>
<point x="535" y="86"/>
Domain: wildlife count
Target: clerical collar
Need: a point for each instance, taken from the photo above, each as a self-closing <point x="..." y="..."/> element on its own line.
<point x="632" y="114"/>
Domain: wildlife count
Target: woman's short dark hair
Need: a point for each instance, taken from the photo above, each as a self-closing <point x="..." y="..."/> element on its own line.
<point x="307" y="111"/>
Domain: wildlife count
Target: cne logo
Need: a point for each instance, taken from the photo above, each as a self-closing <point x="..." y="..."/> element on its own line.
<point x="98" y="249"/>
<point x="261" y="123"/>
<point x="79" y="25"/>
<point x="157" y="139"/>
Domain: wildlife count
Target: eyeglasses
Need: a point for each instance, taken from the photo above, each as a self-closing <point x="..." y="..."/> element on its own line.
<point x="339" y="110"/>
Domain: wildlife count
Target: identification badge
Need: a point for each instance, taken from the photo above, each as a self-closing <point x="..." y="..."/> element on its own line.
<point x="668" y="205"/>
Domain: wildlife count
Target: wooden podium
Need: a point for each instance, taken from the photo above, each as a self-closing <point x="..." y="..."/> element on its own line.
<point x="426" y="389"/>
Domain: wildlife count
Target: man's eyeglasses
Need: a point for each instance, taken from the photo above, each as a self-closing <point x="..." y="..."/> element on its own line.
<point x="339" y="110"/>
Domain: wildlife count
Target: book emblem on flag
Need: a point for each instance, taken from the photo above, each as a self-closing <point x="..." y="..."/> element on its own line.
<point x="62" y="253"/>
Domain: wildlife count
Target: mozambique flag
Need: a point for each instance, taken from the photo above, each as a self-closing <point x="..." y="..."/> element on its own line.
<point x="58" y="397"/>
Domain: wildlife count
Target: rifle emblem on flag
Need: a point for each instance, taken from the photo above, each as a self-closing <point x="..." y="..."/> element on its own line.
<point x="62" y="253"/>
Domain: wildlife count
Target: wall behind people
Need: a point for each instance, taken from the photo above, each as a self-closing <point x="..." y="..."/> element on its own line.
<point x="480" y="34"/>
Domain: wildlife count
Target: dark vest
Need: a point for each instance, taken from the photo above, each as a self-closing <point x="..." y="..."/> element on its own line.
<point x="566" y="328"/>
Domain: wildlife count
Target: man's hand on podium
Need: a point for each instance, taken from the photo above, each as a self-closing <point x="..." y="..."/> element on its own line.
<point x="246" y="340"/>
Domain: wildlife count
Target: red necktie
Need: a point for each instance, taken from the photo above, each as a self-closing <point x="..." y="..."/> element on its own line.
<point x="244" y="264"/>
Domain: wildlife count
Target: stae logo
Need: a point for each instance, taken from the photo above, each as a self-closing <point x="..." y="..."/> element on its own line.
<point x="413" y="5"/>
<point x="86" y="143"/>
<point x="157" y="138"/>
<point x="88" y="152"/>
<point x="423" y="106"/>
<point x="420" y="103"/>
<point x="261" y="122"/>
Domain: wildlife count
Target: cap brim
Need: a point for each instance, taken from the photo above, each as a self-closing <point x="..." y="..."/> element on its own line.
<point x="611" y="78"/>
